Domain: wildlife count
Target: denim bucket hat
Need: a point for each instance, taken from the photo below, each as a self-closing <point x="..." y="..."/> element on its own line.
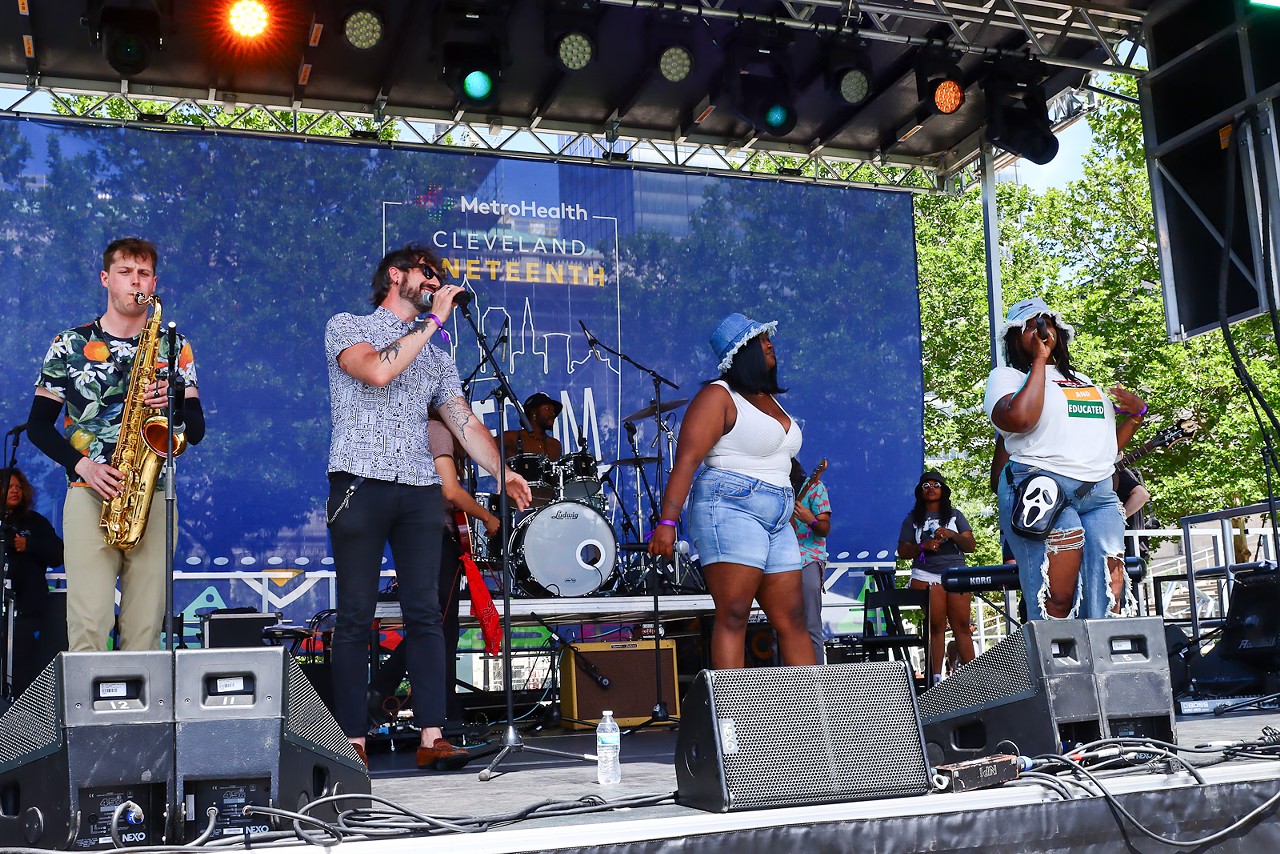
<point x="1021" y="312"/>
<point x="733" y="333"/>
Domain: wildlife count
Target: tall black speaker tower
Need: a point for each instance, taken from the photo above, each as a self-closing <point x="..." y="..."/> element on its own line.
<point x="1213" y="62"/>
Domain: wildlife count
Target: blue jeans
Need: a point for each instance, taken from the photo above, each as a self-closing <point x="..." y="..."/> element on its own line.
<point x="1100" y="515"/>
<point x="734" y="518"/>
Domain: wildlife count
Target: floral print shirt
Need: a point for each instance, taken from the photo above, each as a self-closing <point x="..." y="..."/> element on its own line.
<point x="90" y="369"/>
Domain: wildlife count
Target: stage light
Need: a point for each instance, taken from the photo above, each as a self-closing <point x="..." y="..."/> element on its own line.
<point x="129" y="32"/>
<point x="1265" y="4"/>
<point x="248" y="18"/>
<point x="575" y="51"/>
<point x="766" y="103"/>
<point x="675" y="63"/>
<point x="473" y="36"/>
<point x="472" y="72"/>
<point x="848" y="70"/>
<point x="939" y="84"/>
<point x="363" y="28"/>
<point x="1017" y="113"/>
<point x="571" y="32"/>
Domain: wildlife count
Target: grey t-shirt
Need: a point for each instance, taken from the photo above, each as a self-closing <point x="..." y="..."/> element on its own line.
<point x="949" y="555"/>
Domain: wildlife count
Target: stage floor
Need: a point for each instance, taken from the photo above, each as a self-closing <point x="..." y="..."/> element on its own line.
<point x="527" y="778"/>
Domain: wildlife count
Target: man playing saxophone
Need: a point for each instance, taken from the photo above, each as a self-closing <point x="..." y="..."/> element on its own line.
<point x="88" y="370"/>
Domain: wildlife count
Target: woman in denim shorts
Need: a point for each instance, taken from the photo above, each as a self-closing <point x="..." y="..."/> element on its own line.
<point x="1056" y="421"/>
<point x="742" y="502"/>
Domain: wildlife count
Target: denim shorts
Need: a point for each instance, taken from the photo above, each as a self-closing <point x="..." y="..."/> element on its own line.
<point x="738" y="519"/>
<point x="1098" y="513"/>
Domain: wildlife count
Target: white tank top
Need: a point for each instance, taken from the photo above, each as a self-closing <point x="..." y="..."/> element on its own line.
<point x="757" y="446"/>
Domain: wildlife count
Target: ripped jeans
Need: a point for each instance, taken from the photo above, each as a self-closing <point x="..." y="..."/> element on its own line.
<point x="1099" y="514"/>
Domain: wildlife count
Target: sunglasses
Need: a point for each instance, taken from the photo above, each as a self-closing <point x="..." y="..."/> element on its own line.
<point x="930" y="484"/>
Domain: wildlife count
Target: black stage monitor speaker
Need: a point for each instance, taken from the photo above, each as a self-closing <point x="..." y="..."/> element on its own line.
<point x="250" y="729"/>
<point x="96" y="729"/>
<point x="1052" y="684"/>
<point x="1131" y="667"/>
<point x="1030" y="693"/>
<point x="92" y="731"/>
<point x="789" y="736"/>
<point x="1252" y="630"/>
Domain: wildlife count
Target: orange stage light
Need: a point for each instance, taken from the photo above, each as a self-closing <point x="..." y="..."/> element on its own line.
<point x="248" y="18"/>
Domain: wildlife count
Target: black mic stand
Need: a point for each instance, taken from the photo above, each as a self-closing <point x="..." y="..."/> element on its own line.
<point x="170" y="544"/>
<point x="654" y="571"/>
<point x="511" y="741"/>
<point x="6" y="577"/>
<point x="558" y="644"/>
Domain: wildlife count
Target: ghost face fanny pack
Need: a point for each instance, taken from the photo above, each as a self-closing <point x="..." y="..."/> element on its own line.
<point x="1037" y="501"/>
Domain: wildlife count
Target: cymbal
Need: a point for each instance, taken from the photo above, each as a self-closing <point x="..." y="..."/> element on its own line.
<point x="633" y="461"/>
<point x="649" y="411"/>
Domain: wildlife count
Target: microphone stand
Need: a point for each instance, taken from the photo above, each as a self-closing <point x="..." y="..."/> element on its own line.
<point x="660" y="713"/>
<point x="558" y="643"/>
<point x="511" y="740"/>
<point x="170" y="522"/>
<point x="9" y="604"/>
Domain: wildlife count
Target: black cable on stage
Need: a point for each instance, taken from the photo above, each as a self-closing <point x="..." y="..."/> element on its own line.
<point x="1115" y="804"/>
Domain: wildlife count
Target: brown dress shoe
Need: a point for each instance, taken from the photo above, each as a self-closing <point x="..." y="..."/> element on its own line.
<point x="442" y="756"/>
<point x="364" y="756"/>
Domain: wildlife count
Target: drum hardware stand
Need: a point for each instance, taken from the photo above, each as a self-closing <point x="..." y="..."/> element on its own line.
<point x="660" y="714"/>
<point x="511" y="741"/>
<point x="8" y="602"/>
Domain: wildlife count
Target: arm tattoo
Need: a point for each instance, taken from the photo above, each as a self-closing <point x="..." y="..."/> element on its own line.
<point x="390" y="351"/>
<point x="459" y="413"/>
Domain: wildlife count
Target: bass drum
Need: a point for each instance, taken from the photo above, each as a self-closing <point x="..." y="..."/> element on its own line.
<point x="564" y="549"/>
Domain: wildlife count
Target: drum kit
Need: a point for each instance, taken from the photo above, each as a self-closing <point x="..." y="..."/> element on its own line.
<point x="563" y="544"/>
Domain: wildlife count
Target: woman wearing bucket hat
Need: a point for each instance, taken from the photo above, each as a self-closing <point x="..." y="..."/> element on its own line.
<point x="1055" y="421"/>
<point x="740" y="512"/>
<point x="934" y="537"/>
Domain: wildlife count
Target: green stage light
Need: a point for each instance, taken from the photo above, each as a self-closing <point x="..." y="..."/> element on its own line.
<point x="477" y="85"/>
<point x="1266" y="4"/>
<point x="777" y="116"/>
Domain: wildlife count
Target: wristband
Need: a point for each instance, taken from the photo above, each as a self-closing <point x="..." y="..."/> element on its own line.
<point x="667" y="522"/>
<point x="440" y="324"/>
<point x="1134" y="414"/>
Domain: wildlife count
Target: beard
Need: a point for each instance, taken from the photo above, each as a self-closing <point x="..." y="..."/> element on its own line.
<point x="420" y="298"/>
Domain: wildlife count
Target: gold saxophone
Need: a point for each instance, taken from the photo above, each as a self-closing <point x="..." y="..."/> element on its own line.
<point x="143" y="442"/>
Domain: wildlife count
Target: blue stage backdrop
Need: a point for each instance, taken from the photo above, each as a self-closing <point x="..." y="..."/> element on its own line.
<point x="262" y="240"/>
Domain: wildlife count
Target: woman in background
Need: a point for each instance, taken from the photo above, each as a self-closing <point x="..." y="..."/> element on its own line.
<point x="936" y="536"/>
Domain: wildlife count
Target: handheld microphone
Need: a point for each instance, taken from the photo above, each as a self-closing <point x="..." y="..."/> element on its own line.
<point x="17" y="430"/>
<point x="594" y="672"/>
<point x="1042" y="330"/>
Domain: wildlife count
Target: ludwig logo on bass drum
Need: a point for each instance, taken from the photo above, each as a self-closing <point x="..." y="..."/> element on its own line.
<point x="565" y="514"/>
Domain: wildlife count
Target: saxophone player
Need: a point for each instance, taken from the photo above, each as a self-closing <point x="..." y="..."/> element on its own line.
<point x="87" y="372"/>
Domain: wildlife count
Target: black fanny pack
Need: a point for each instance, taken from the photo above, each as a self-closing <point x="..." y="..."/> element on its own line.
<point x="1037" y="501"/>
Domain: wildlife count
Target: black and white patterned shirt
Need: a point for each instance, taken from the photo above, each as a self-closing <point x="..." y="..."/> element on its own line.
<point x="382" y="432"/>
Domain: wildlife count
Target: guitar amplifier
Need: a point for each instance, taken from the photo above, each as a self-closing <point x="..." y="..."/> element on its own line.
<point x="230" y="631"/>
<point x="628" y="668"/>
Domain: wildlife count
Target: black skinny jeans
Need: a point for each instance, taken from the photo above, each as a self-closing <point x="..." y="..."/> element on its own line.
<point x="411" y="519"/>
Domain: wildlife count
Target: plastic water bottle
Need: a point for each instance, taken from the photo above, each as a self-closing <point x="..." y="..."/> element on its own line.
<point x="608" y="748"/>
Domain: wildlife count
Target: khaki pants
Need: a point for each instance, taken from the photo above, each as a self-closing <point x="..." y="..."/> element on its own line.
<point x="93" y="568"/>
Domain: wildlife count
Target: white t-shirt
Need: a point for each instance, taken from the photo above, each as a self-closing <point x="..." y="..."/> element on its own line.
<point x="1076" y="433"/>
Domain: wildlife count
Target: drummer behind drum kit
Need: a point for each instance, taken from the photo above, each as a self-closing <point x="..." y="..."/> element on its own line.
<point x="563" y="545"/>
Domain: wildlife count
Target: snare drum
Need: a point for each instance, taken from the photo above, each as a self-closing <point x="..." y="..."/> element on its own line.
<point x="538" y="470"/>
<point x="564" y="549"/>
<point x="579" y="476"/>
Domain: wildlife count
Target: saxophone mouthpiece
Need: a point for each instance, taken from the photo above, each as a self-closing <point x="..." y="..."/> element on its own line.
<point x="140" y="298"/>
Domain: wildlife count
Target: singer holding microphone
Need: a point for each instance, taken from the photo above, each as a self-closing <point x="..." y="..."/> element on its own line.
<point x="384" y="376"/>
<point x="1057" y="422"/>
<point x="742" y="500"/>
